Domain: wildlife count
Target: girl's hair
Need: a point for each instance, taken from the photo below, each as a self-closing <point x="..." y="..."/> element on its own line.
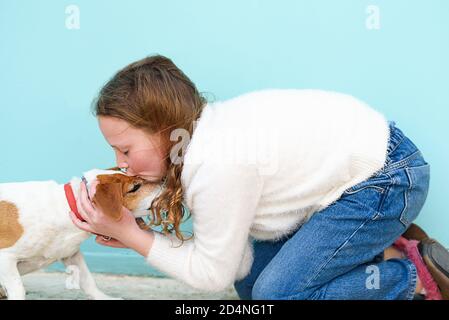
<point x="154" y="95"/>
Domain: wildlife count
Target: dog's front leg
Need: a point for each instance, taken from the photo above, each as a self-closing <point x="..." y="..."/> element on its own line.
<point x="86" y="280"/>
<point x="10" y="278"/>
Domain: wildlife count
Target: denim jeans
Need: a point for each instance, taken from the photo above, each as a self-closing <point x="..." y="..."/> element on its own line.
<point x="338" y="253"/>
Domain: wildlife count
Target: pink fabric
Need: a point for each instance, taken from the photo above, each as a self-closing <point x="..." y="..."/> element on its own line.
<point x="410" y="248"/>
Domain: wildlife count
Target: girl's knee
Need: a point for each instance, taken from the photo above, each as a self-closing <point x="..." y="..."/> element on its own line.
<point x="272" y="289"/>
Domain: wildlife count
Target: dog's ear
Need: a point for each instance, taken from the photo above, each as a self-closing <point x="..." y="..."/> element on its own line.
<point x="109" y="198"/>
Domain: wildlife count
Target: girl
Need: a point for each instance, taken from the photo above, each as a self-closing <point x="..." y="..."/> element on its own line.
<point x="294" y="194"/>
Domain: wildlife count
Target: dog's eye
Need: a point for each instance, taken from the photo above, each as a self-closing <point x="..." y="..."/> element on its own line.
<point x="135" y="188"/>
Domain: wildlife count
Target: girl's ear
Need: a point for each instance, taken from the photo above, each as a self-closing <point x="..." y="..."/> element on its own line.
<point x="109" y="198"/>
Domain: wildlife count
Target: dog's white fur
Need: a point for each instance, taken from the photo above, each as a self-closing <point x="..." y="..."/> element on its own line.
<point x="49" y="235"/>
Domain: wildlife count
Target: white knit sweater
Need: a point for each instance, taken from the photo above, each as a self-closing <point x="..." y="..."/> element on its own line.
<point x="259" y="165"/>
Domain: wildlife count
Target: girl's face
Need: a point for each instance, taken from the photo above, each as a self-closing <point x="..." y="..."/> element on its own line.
<point x="134" y="149"/>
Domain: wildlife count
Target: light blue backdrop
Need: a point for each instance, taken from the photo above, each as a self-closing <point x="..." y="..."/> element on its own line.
<point x="49" y="75"/>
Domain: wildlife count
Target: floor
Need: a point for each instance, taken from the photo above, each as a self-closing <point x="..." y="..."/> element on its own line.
<point x="51" y="286"/>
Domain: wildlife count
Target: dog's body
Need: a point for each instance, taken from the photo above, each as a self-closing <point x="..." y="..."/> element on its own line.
<point x="36" y="229"/>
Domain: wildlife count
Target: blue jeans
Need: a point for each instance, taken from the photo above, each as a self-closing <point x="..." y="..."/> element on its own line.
<point x="338" y="253"/>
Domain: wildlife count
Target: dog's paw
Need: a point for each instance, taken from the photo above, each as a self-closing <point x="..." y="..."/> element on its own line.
<point x="2" y="293"/>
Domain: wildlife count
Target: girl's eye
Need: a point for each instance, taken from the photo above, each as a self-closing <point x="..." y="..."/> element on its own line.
<point x="126" y="153"/>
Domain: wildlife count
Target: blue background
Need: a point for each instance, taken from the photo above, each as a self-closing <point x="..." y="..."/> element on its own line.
<point x="49" y="75"/>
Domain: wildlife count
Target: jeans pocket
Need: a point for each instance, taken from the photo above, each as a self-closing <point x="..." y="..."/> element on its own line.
<point x="377" y="183"/>
<point x="370" y="193"/>
<point x="415" y="196"/>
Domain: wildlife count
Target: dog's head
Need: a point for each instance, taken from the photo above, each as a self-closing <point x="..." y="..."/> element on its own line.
<point x="111" y="189"/>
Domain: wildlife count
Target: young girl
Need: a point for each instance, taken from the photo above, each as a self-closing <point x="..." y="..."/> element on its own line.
<point x="294" y="194"/>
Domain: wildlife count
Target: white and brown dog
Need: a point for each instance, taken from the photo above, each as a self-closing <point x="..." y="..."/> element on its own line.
<point x="36" y="229"/>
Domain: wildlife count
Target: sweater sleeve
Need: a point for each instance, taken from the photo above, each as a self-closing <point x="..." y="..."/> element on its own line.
<point x="223" y="202"/>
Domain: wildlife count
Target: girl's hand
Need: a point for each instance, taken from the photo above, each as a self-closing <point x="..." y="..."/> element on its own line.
<point x="98" y="223"/>
<point x="110" y="243"/>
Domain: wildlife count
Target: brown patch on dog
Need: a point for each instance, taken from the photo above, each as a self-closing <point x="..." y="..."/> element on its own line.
<point x="10" y="228"/>
<point x="112" y="193"/>
<point x="114" y="178"/>
<point x="109" y="199"/>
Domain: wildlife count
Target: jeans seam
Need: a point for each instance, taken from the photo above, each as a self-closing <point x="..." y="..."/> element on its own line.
<point x="402" y="162"/>
<point x="406" y="197"/>
<point x="384" y="196"/>
<point x="349" y="191"/>
<point x="397" y="143"/>
<point x="382" y="190"/>
<point x="335" y="253"/>
<point x="320" y="292"/>
<point x="413" y="279"/>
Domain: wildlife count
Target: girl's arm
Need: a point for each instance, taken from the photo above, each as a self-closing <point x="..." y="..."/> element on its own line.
<point x="140" y="241"/>
<point x="223" y="201"/>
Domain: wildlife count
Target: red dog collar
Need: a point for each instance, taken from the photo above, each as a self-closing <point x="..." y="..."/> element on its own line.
<point x="71" y="200"/>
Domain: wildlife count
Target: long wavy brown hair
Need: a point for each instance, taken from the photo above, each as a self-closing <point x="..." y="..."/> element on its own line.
<point x="154" y="95"/>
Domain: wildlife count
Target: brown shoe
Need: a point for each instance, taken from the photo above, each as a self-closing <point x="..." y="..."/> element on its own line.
<point x="434" y="255"/>
<point x="414" y="232"/>
<point x="436" y="258"/>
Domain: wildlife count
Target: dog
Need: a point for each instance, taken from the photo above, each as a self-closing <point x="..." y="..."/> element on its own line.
<point x="36" y="229"/>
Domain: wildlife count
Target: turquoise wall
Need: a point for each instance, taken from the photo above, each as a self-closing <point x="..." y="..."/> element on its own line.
<point x="49" y="74"/>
